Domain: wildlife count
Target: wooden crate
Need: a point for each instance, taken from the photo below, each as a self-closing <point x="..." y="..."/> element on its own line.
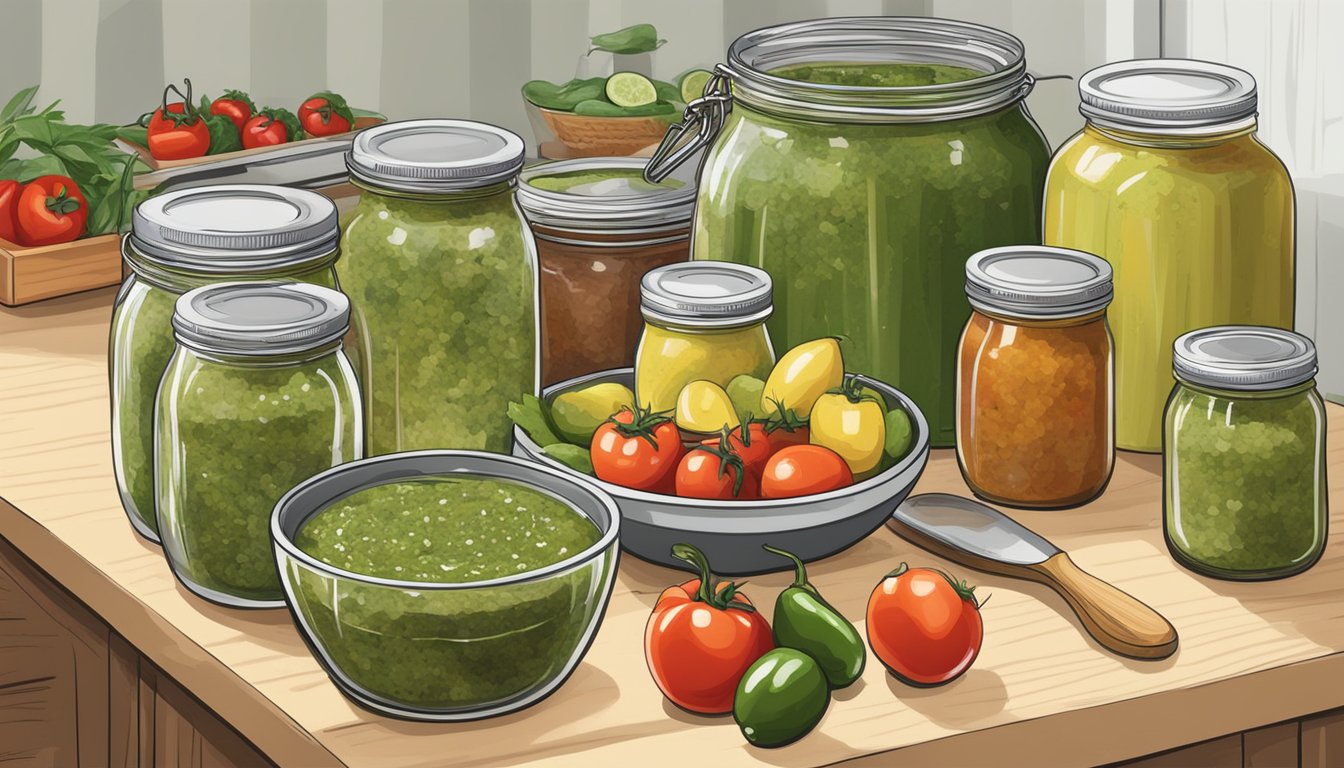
<point x="48" y="271"/>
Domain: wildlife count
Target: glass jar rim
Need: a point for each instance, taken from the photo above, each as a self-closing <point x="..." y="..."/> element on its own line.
<point x="879" y="39"/>
<point x="646" y="211"/>
<point x="260" y="318"/>
<point x="161" y="272"/>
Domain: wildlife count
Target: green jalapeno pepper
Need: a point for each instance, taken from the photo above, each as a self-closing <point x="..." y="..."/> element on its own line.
<point x="804" y="620"/>
<point x="782" y="697"/>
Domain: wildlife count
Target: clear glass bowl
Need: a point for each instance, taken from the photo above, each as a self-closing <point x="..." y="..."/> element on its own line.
<point x="445" y="652"/>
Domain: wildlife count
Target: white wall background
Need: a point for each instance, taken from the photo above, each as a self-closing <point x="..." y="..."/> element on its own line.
<point x="108" y="60"/>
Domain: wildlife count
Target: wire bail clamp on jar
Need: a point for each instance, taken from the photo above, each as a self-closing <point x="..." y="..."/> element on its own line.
<point x="705" y="116"/>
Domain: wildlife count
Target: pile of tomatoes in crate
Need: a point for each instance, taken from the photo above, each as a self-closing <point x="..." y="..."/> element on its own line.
<point x="180" y="130"/>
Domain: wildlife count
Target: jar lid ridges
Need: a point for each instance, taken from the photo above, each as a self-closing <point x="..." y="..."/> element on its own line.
<point x="1038" y="282"/>
<point x="1244" y="357"/>
<point x="706" y="294"/>
<point x="260" y="318"/>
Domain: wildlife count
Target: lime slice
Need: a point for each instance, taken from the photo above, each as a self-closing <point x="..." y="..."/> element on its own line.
<point x="693" y="84"/>
<point x="630" y="89"/>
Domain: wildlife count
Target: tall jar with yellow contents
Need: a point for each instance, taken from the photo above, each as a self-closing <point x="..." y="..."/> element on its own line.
<point x="1168" y="182"/>
<point x="702" y="322"/>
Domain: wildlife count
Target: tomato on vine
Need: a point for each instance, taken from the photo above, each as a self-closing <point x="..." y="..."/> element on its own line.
<point x="177" y="131"/>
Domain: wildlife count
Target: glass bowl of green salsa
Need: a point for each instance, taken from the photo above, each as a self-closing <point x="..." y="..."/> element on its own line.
<point x="446" y="585"/>
<point x="731" y="533"/>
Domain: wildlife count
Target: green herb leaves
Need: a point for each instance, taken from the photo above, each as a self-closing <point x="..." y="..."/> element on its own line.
<point x="85" y="153"/>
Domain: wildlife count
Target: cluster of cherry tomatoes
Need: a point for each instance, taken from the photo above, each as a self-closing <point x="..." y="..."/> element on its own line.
<point x="643" y="450"/>
<point x="45" y="211"/>
<point x="184" y="129"/>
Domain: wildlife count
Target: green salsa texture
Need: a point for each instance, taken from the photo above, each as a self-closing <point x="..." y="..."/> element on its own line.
<point x="602" y="183"/>
<point x="889" y="75"/>
<point x="866" y="228"/>
<point x="233" y="440"/>
<point x="448" y="530"/>
<point x="1245" y="482"/>
<point x="443" y="299"/>
<point x="140" y="348"/>
<point x="448" y="649"/>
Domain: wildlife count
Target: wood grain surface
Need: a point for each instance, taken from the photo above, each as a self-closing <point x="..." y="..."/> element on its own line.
<point x="1250" y="654"/>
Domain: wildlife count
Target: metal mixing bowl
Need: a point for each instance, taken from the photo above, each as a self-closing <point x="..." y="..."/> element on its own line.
<point x="731" y="533"/>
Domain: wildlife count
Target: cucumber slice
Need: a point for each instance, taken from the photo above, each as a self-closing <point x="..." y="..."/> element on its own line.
<point x="693" y="84"/>
<point x="630" y="89"/>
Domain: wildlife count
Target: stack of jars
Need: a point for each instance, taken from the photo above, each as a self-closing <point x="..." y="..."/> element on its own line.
<point x="231" y="383"/>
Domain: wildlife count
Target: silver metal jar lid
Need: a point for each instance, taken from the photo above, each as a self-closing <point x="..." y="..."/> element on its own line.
<point x="1037" y="281"/>
<point x="706" y="294"/>
<point x="606" y="205"/>
<point x="878" y="40"/>
<point x="235" y="227"/>
<point x="1165" y="96"/>
<point x="435" y="155"/>
<point x="1244" y="357"/>
<point x="260" y="318"/>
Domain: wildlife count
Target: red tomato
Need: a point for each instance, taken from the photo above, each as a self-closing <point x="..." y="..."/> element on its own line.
<point x="325" y="114"/>
<point x="177" y="133"/>
<point x="708" y="472"/>
<point x="924" y="626"/>
<point x="51" y="210"/>
<point x="9" y="205"/>
<point x="783" y="438"/>
<point x="264" y="130"/>
<point x="234" y="105"/>
<point x="752" y="443"/>
<point x="638" y="449"/>
<point x="802" y="470"/>
<point x="701" y="638"/>
<point x="785" y="428"/>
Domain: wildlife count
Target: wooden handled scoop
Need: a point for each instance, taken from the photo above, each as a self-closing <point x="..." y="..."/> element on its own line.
<point x="967" y="532"/>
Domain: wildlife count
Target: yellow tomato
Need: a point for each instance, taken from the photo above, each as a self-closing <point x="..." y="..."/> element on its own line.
<point x="704" y="407"/>
<point x="802" y="375"/>
<point x="853" y="426"/>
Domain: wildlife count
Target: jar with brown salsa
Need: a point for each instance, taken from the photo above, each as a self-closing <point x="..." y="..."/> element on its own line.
<point x="599" y="227"/>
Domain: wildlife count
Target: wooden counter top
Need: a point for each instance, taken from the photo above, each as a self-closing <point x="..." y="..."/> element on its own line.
<point x="1041" y="692"/>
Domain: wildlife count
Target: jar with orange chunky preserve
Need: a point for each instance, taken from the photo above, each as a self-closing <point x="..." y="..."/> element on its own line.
<point x="1035" y="406"/>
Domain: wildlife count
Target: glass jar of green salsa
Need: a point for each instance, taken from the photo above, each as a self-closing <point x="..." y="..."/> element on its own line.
<point x="179" y="241"/>
<point x="862" y="161"/>
<point x="258" y="397"/>
<point x="441" y="274"/>
<point x="1245" y="454"/>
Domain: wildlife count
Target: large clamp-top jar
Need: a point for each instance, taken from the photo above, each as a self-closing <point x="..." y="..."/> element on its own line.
<point x="180" y="241"/>
<point x="441" y="273"/>
<point x="860" y="161"/>
<point x="1168" y="183"/>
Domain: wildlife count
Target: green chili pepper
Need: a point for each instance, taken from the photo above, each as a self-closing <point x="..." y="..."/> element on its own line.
<point x="805" y="621"/>
<point x="782" y="697"/>
<point x="640" y="38"/>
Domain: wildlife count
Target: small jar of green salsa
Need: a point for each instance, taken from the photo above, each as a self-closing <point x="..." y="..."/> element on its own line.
<point x="442" y="278"/>
<point x="1244" y="468"/>
<point x="862" y="162"/>
<point x="179" y="241"/>
<point x="257" y="398"/>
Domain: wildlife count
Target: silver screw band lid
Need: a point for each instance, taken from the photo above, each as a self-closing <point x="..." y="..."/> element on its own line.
<point x="706" y="294"/>
<point x="1168" y="96"/>
<point x="260" y="318"/>
<point x="1244" y="357"/>
<point x="1038" y="282"/>
<point x="432" y="156"/>
<point x="235" y="226"/>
